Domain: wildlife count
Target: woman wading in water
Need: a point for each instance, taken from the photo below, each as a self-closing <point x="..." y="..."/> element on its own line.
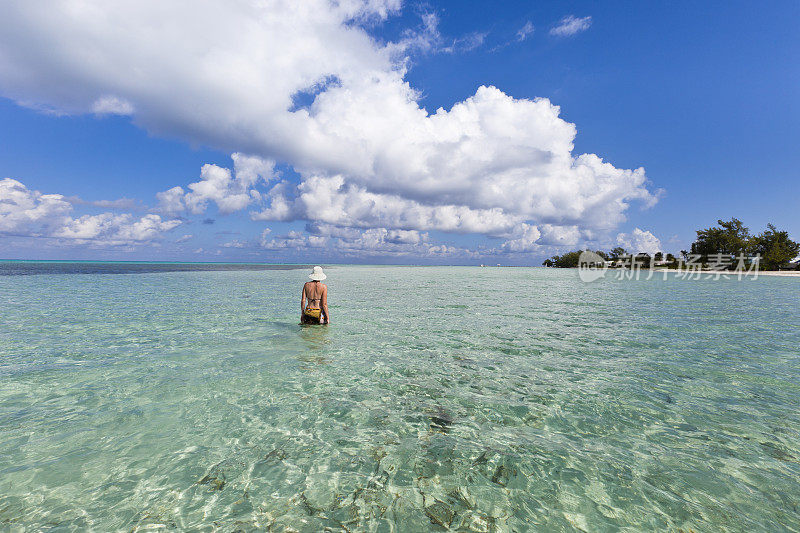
<point x="316" y="312"/>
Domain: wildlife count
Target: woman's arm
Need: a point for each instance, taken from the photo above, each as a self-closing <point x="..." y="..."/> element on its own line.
<point x="325" y="305"/>
<point x="303" y="300"/>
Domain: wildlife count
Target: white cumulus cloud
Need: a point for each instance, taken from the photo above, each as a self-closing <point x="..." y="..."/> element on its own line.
<point x="23" y="211"/>
<point x="29" y="213"/>
<point x="304" y="83"/>
<point x="109" y="228"/>
<point x="330" y="200"/>
<point x="639" y="241"/>
<point x="230" y="190"/>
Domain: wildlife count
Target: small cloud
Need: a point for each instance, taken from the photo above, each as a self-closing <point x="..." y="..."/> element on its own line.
<point x="425" y="38"/>
<point x="467" y="43"/>
<point x="184" y="238"/>
<point x="639" y="241"/>
<point x="112" y="105"/>
<point x="127" y="204"/>
<point x="234" y="244"/>
<point x="525" y="31"/>
<point x="121" y="203"/>
<point x="208" y="221"/>
<point x="522" y="34"/>
<point x="570" y="25"/>
<point x="208" y="252"/>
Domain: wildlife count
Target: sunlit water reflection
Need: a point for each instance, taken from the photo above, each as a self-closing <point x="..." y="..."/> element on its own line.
<point x="492" y="399"/>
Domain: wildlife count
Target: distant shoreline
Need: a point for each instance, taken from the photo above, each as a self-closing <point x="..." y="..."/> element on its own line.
<point x="783" y="273"/>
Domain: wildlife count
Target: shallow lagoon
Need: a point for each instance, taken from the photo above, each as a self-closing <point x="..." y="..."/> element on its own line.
<point x="193" y="400"/>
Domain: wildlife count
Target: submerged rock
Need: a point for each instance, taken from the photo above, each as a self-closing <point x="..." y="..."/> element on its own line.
<point x="440" y="514"/>
<point x="215" y="480"/>
<point x="441" y="421"/>
<point x="502" y="475"/>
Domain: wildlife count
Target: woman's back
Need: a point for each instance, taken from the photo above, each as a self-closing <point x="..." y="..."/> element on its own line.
<point x="314" y="291"/>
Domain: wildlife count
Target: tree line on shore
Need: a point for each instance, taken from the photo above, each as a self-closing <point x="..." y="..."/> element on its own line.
<point x="726" y="242"/>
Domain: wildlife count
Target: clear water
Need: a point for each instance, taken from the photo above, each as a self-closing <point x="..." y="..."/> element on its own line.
<point x="479" y="399"/>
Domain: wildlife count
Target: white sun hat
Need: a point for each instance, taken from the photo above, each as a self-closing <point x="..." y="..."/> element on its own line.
<point x="317" y="274"/>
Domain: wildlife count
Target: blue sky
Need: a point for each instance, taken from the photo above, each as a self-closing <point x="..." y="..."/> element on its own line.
<point x="702" y="96"/>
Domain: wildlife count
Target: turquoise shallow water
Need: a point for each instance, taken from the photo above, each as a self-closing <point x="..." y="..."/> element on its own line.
<point x="525" y="400"/>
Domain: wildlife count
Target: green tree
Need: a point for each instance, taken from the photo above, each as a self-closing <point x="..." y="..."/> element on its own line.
<point x="775" y="248"/>
<point x="731" y="238"/>
<point x="659" y="256"/>
<point x="616" y="253"/>
<point x="568" y="260"/>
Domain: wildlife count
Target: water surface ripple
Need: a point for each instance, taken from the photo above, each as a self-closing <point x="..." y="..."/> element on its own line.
<point x="471" y="399"/>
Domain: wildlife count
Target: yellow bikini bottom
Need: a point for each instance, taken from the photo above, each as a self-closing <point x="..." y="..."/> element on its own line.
<point x="313" y="313"/>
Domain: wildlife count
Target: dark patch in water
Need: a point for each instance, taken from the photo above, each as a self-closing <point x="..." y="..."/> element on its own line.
<point x="461" y="497"/>
<point x="502" y="475"/>
<point x="441" y="422"/>
<point x="482" y="458"/>
<point x="440" y="514"/>
<point x="215" y="480"/>
<point x="777" y="452"/>
<point x="310" y="509"/>
<point x="275" y="456"/>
